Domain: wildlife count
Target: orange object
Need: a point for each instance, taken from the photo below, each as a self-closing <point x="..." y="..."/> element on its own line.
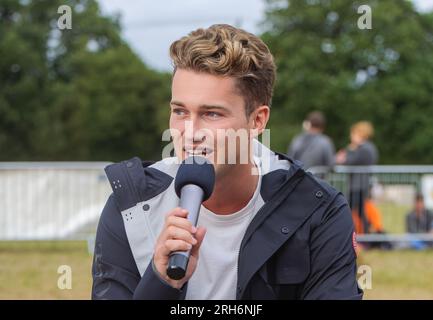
<point x="373" y="216"/>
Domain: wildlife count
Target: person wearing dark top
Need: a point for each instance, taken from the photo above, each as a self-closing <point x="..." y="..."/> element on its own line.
<point x="420" y="219"/>
<point x="360" y="152"/>
<point x="270" y="230"/>
<point x="312" y="147"/>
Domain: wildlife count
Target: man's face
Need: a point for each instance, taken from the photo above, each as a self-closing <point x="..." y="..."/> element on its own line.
<point x="201" y="106"/>
<point x="419" y="205"/>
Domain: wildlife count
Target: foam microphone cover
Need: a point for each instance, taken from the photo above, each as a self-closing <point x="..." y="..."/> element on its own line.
<point x="198" y="171"/>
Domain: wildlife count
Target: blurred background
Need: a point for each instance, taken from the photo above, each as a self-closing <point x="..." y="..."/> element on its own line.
<point x="74" y="100"/>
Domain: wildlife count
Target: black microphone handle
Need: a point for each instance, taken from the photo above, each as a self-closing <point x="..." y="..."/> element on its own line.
<point x="191" y="197"/>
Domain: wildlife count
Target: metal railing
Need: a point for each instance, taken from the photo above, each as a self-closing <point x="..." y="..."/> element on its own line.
<point x="51" y="200"/>
<point x="392" y="190"/>
<point x="63" y="200"/>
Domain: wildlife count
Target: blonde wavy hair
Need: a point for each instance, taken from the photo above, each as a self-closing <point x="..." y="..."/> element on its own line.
<point x="364" y="129"/>
<point x="224" y="50"/>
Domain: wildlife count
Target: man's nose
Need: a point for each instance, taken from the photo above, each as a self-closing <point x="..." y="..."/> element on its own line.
<point x="195" y="132"/>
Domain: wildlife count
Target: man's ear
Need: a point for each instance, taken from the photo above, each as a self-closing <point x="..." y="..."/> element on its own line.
<point x="260" y="118"/>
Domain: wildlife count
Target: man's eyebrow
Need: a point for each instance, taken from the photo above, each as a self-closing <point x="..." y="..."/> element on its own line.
<point x="177" y="103"/>
<point x="203" y="106"/>
<point x="214" y="107"/>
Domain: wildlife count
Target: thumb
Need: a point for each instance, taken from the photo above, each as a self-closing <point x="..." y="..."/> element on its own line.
<point x="199" y="236"/>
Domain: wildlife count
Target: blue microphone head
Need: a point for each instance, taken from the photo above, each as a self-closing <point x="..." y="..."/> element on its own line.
<point x="195" y="170"/>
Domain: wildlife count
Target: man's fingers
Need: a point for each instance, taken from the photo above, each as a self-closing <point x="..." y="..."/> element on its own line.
<point x="177" y="245"/>
<point x="199" y="235"/>
<point x="178" y="212"/>
<point x="173" y="232"/>
<point x="180" y="222"/>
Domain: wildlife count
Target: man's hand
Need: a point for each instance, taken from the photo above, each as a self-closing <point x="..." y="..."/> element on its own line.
<point x="178" y="234"/>
<point x="340" y="157"/>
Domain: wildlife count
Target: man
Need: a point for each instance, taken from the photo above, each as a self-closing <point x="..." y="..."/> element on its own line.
<point x="420" y="219"/>
<point x="279" y="234"/>
<point x="313" y="148"/>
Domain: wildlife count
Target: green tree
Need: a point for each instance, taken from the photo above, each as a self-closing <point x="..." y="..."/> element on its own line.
<point x="23" y="73"/>
<point x="384" y="74"/>
<point x="74" y="94"/>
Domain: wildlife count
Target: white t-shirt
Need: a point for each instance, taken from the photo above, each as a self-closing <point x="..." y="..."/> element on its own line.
<point x="216" y="274"/>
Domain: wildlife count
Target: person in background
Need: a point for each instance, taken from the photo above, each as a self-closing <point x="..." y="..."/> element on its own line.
<point x="374" y="219"/>
<point x="360" y="152"/>
<point x="420" y="219"/>
<point x="312" y="147"/>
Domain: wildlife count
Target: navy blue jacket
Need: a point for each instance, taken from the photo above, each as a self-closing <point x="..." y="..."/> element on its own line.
<point x="298" y="246"/>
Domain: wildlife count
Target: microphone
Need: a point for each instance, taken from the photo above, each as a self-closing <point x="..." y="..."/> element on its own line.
<point x="193" y="184"/>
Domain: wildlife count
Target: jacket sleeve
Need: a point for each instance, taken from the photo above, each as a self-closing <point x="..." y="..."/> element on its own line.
<point x="114" y="271"/>
<point x="333" y="258"/>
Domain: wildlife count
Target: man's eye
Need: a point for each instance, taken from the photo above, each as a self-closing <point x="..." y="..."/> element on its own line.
<point x="179" y="112"/>
<point x="211" y="114"/>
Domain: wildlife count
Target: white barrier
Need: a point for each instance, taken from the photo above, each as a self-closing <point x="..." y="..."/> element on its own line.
<point x="51" y="200"/>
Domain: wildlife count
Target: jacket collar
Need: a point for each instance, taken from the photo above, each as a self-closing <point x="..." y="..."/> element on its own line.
<point x="274" y="168"/>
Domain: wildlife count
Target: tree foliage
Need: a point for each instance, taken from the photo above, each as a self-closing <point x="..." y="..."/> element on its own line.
<point x="77" y="94"/>
<point x="384" y="74"/>
<point x="83" y="94"/>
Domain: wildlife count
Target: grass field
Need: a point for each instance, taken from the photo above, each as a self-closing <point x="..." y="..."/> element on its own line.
<point x="28" y="270"/>
<point x="393" y="216"/>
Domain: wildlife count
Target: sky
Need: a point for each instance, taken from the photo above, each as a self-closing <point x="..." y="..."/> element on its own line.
<point x="151" y="26"/>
